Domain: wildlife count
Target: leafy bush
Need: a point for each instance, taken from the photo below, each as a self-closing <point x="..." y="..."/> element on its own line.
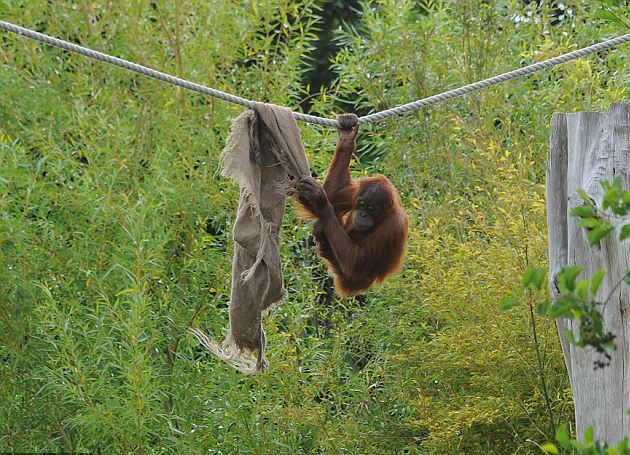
<point x="115" y="229"/>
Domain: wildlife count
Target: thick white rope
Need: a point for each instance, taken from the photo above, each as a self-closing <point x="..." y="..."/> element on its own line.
<point x="396" y="111"/>
<point x="401" y="110"/>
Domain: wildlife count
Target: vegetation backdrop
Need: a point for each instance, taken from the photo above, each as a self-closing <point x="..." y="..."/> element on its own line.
<point x="115" y="225"/>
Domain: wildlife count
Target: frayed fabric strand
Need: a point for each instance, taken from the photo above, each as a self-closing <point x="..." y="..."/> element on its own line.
<point x="264" y="154"/>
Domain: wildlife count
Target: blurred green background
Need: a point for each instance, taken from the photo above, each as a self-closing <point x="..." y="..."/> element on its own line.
<point x="115" y="225"/>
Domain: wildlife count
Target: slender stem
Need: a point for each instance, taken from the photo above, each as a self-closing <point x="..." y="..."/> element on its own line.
<point x="623" y="278"/>
<point x="178" y="55"/>
<point x="541" y="366"/>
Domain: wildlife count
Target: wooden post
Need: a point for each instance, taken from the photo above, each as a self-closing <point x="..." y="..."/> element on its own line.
<point x="587" y="148"/>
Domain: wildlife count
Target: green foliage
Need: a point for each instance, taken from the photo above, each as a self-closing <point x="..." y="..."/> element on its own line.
<point x="577" y="298"/>
<point x="534" y="277"/>
<point x="615" y="199"/>
<point x="588" y="445"/>
<point x="574" y="302"/>
<point x="614" y="12"/>
<point x="115" y="229"/>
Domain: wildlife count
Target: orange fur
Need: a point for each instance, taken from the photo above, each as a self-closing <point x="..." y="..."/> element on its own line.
<point x="357" y="259"/>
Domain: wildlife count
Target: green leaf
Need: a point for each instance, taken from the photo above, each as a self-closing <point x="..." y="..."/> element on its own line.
<point x="608" y="16"/>
<point x="562" y="436"/>
<point x="535" y="276"/>
<point x="581" y="290"/>
<point x="589" y="436"/>
<point x="576" y="339"/>
<point x="584" y="211"/>
<point x="548" y="447"/>
<point x="561" y="308"/>
<point x="585" y="197"/>
<point x="596" y="281"/>
<point x="539" y="277"/>
<point x="567" y="277"/>
<point x="527" y="277"/>
<point x="508" y="304"/>
<point x="590" y="223"/>
<point x="542" y="308"/>
<point x="625" y="232"/>
<point x="599" y="233"/>
<point x="615" y="198"/>
<point x="578" y="447"/>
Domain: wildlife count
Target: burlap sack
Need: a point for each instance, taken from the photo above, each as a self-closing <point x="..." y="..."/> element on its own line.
<point x="263" y="153"/>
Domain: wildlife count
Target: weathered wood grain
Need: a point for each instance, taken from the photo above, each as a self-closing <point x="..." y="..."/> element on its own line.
<point x="587" y="148"/>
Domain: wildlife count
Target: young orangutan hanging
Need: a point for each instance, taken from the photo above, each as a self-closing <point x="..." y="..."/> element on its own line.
<point x="361" y="227"/>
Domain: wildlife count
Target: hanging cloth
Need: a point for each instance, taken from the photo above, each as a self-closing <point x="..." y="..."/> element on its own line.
<point x="264" y="154"/>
